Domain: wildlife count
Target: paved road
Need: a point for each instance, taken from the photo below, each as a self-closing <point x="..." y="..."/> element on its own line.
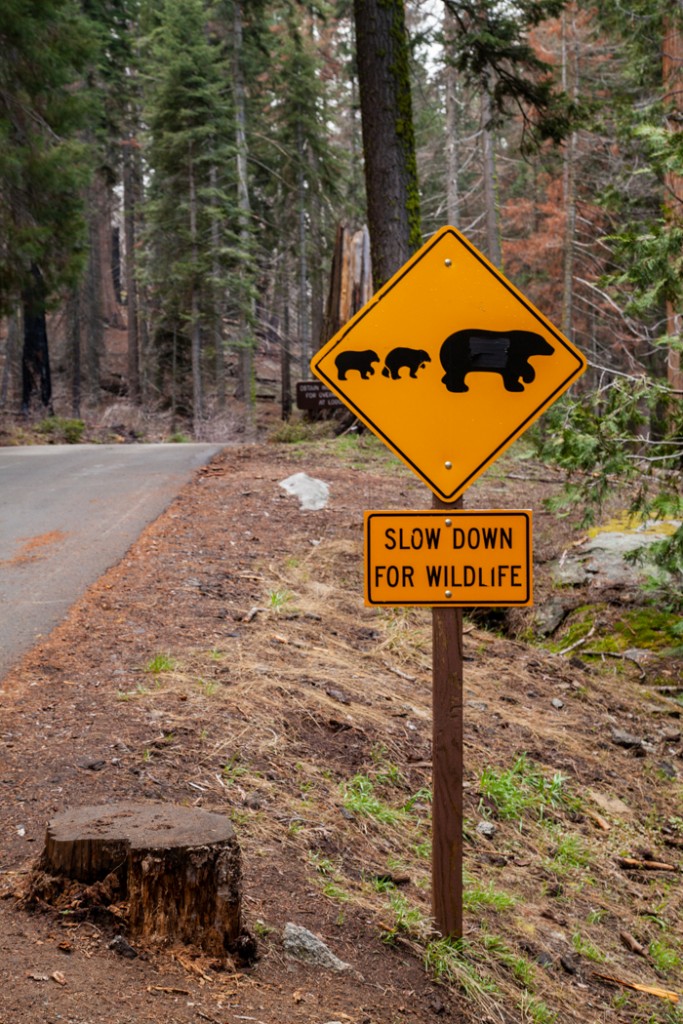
<point x="67" y="513"/>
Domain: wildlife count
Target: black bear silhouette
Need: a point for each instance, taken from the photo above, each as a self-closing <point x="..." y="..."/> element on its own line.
<point x="360" y="361"/>
<point x="482" y="351"/>
<point x="414" y="358"/>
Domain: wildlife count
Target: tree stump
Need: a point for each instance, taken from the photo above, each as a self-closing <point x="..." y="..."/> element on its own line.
<point x="179" y="868"/>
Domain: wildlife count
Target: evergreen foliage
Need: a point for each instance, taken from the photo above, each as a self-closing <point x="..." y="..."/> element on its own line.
<point x="45" y="48"/>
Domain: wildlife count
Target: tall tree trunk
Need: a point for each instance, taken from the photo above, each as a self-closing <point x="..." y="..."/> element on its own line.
<point x="11" y="351"/>
<point x="245" y="388"/>
<point x="93" y="292"/>
<point x="393" y="198"/>
<point x="570" y="84"/>
<point x="286" y="344"/>
<point x="195" y="326"/>
<point x="35" y="364"/>
<point x="101" y="213"/>
<point x="129" y="205"/>
<point x="218" y="339"/>
<point x="492" y="215"/>
<point x="452" y="126"/>
<point x="672" y="72"/>
<point x="74" y="333"/>
<point x="304" y="323"/>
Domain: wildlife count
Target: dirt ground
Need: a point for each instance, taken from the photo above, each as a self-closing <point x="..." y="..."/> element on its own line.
<point x="228" y="662"/>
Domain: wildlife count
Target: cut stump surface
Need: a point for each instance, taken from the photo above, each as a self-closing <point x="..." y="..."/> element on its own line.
<point x="180" y="867"/>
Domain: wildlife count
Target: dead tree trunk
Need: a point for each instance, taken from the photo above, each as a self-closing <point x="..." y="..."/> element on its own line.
<point x="179" y="868"/>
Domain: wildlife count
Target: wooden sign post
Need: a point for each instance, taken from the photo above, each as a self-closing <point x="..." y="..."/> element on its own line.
<point x="447" y="765"/>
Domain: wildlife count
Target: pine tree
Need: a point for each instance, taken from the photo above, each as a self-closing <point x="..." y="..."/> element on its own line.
<point x="190" y="147"/>
<point x="45" y="46"/>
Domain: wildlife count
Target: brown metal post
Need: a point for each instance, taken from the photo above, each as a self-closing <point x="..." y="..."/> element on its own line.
<point x="447" y="764"/>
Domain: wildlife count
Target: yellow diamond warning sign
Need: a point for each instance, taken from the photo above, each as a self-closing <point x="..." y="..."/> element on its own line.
<point x="440" y="558"/>
<point x="448" y="363"/>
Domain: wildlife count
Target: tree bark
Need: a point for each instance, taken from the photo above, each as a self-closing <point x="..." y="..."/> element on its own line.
<point x="570" y="84"/>
<point x="195" y="326"/>
<point x="452" y="127"/>
<point x="393" y="200"/>
<point x="35" y="362"/>
<point x="129" y="204"/>
<point x="74" y="329"/>
<point x="493" y="246"/>
<point x="672" y="73"/>
<point x="11" y="353"/>
<point x="245" y="389"/>
<point x="178" y="867"/>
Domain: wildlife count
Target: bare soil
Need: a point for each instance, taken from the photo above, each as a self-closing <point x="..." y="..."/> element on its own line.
<point x="227" y="662"/>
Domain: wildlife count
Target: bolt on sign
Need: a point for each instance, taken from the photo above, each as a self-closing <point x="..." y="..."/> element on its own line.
<point x="448" y="363"/>
<point x="459" y="558"/>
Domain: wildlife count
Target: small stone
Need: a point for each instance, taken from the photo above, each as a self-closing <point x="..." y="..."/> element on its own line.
<point x="567" y="964"/>
<point x="303" y="945"/>
<point x="92" y="765"/>
<point x="254" y="801"/>
<point x="123" y="948"/>
<point x="626" y="739"/>
<point x="486" y="829"/>
<point x="557" y="703"/>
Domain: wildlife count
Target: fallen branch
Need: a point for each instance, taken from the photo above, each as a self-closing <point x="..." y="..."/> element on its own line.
<point x="253" y="613"/>
<point x="632" y="944"/>
<point x="616" y="654"/>
<point x="598" y="819"/>
<point x="644" y="865"/>
<point x="398" y="672"/>
<point x="661" y="993"/>
<point x="578" y="643"/>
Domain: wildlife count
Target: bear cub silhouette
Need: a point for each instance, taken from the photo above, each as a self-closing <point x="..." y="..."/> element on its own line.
<point x="360" y="361"/>
<point x="414" y="358"/>
<point x="481" y="351"/>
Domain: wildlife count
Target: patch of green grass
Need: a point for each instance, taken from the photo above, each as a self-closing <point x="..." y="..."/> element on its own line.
<point x="520" y="968"/>
<point x="444" y="960"/>
<point x="584" y="947"/>
<point x="279" y="599"/>
<point x="476" y="896"/>
<point x="233" y="769"/>
<point x="160" y="663"/>
<point x="407" y="919"/>
<point x="67" y="431"/>
<point x="523" y="789"/>
<point x="597" y="916"/>
<point x="570" y="853"/>
<point x="359" y="797"/>
<point x="664" y="958"/>
<point x="535" y="1011"/>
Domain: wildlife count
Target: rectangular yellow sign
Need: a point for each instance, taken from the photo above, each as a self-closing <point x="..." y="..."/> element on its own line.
<point x="477" y="559"/>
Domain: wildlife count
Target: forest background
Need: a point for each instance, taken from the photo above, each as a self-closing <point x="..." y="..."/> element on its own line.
<point x="176" y="177"/>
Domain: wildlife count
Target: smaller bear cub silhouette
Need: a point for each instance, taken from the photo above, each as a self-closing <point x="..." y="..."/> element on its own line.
<point x="482" y="351"/>
<point x="360" y="361"/>
<point x="414" y="358"/>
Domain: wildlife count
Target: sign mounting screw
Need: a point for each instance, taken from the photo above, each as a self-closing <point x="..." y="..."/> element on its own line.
<point x="448" y="465"/>
<point x="448" y="263"/>
<point x="449" y="522"/>
<point x="449" y="593"/>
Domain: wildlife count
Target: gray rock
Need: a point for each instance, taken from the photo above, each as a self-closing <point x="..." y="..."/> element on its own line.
<point x="557" y="703"/>
<point x="626" y="739"/>
<point x="123" y="948"/>
<point x="312" y="494"/>
<point x="486" y="829"/>
<point x="303" y="945"/>
<point x="551" y="614"/>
